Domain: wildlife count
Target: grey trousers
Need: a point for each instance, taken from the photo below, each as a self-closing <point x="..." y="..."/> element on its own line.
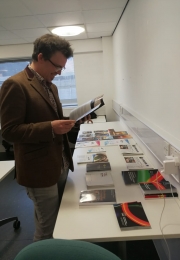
<point x="46" y="205"/>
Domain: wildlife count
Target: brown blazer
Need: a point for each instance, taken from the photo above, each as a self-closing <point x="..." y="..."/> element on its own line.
<point x="26" y="115"/>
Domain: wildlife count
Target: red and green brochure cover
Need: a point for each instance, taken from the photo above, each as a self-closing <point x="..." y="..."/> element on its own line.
<point x="138" y="176"/>
<point x="161" y="195"/>
<point x="131" y="215"/>
<point x="162" y="187"/>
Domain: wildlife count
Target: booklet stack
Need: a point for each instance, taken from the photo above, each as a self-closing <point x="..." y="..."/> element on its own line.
<point x="158" y="189"/>
<point x="131" y="215"/>
<point x="99" y="179"/>
<point x="151" y="182"/>
<point x="97" y="197"/>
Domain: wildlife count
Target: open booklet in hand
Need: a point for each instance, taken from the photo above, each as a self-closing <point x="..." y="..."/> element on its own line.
<point x="86" y="108"/>
<point x="97" y="197"/>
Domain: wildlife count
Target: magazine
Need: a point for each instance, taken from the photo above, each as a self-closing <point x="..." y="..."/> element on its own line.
<point x="94" y="158"/>
<point x="87" y="132"/>
<point x="137" y="176"/>
<point x="105" y="166"/>
<point x="96" y="149"/>
<point x="129" y="149"/>
<point x="137" y="162"/>
<point x="86" y="108"/>
<point x="115" y="142"/>
<point x="97" y="197"/>
<point x="104" y="137"/>
<point x="101" y="132"/>
<point x="131" y="215"/>
<point x="86" y="135"/>
<point x="122" y="136"/>
<point x="113" y="132"/>
<point x="87" y="144"/>
<point x="85" y="139"/>
<point x="100" y="179"/>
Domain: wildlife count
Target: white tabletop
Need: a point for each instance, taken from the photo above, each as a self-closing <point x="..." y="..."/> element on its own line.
<point x="5" y="168"/>
<point x="99" y="119"/>
<point x="99" y="223"/>
<point x="117" y="126"/>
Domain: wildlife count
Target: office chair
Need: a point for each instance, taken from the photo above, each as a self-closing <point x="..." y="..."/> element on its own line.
<point x="8" y="146"/>
<point x="9" y="156"/>
<point x="61" y="249"/>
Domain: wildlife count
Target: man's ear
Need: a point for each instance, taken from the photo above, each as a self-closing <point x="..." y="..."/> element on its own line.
<point x="40" y="57"/>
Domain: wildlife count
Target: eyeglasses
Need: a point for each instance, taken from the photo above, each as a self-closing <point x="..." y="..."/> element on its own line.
<point x="58" y="68"/>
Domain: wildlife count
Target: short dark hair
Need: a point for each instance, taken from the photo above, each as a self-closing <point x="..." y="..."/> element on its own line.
<point x="48" y="44"/>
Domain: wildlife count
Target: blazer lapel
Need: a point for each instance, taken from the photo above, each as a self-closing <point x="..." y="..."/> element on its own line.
<point x="34" y="82"/>
<point x="58" y="103"/>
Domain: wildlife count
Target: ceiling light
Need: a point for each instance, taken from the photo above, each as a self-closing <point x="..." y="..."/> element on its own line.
<point x="68" y="30"/>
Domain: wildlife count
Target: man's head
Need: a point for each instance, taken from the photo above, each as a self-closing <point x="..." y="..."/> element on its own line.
<point x="50" y="55"/>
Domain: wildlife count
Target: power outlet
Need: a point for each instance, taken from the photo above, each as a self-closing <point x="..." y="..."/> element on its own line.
<point x="166" y="148"/>
<point x="175" y="153"/>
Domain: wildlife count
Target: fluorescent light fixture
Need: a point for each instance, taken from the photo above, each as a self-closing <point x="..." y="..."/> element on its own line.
<point x="68" y="30"/>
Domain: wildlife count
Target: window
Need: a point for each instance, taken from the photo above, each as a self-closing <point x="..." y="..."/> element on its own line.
<point x="65" y="82"/>
<point x="66" y="85"/>
<point x="10" y="68"/>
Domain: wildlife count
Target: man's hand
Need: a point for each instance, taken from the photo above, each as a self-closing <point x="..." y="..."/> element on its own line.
<point x="62" y="126"/>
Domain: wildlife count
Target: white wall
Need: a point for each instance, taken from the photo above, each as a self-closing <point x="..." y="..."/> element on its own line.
<point x="93" y="69"/>
<point x="146" y="47"/>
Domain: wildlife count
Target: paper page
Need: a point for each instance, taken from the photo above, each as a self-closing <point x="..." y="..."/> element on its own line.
<point x="85" y="109"/>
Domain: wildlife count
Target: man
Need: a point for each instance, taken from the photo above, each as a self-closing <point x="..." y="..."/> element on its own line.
<point x="32" y="119"/>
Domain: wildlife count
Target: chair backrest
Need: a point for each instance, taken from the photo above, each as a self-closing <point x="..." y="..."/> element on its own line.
<point x="60" y="249"/>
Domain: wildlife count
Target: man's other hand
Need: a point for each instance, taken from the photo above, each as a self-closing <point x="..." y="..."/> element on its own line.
<point x="62" y="126"/>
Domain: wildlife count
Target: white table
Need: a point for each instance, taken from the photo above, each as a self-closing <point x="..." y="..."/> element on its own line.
<point x="99" y="119"/>
<point x="5" y="168"/>
<point x="99" y="223"/>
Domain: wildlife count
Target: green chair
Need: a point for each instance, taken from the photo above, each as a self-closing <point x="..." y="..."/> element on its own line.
<point x="60" y="249"/>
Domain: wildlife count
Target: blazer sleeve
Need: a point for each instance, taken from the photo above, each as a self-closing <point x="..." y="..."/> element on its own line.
<point x="13" y="108"/>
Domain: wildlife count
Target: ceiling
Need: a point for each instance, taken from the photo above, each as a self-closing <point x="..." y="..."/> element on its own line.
<point x="22" y="21"/>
